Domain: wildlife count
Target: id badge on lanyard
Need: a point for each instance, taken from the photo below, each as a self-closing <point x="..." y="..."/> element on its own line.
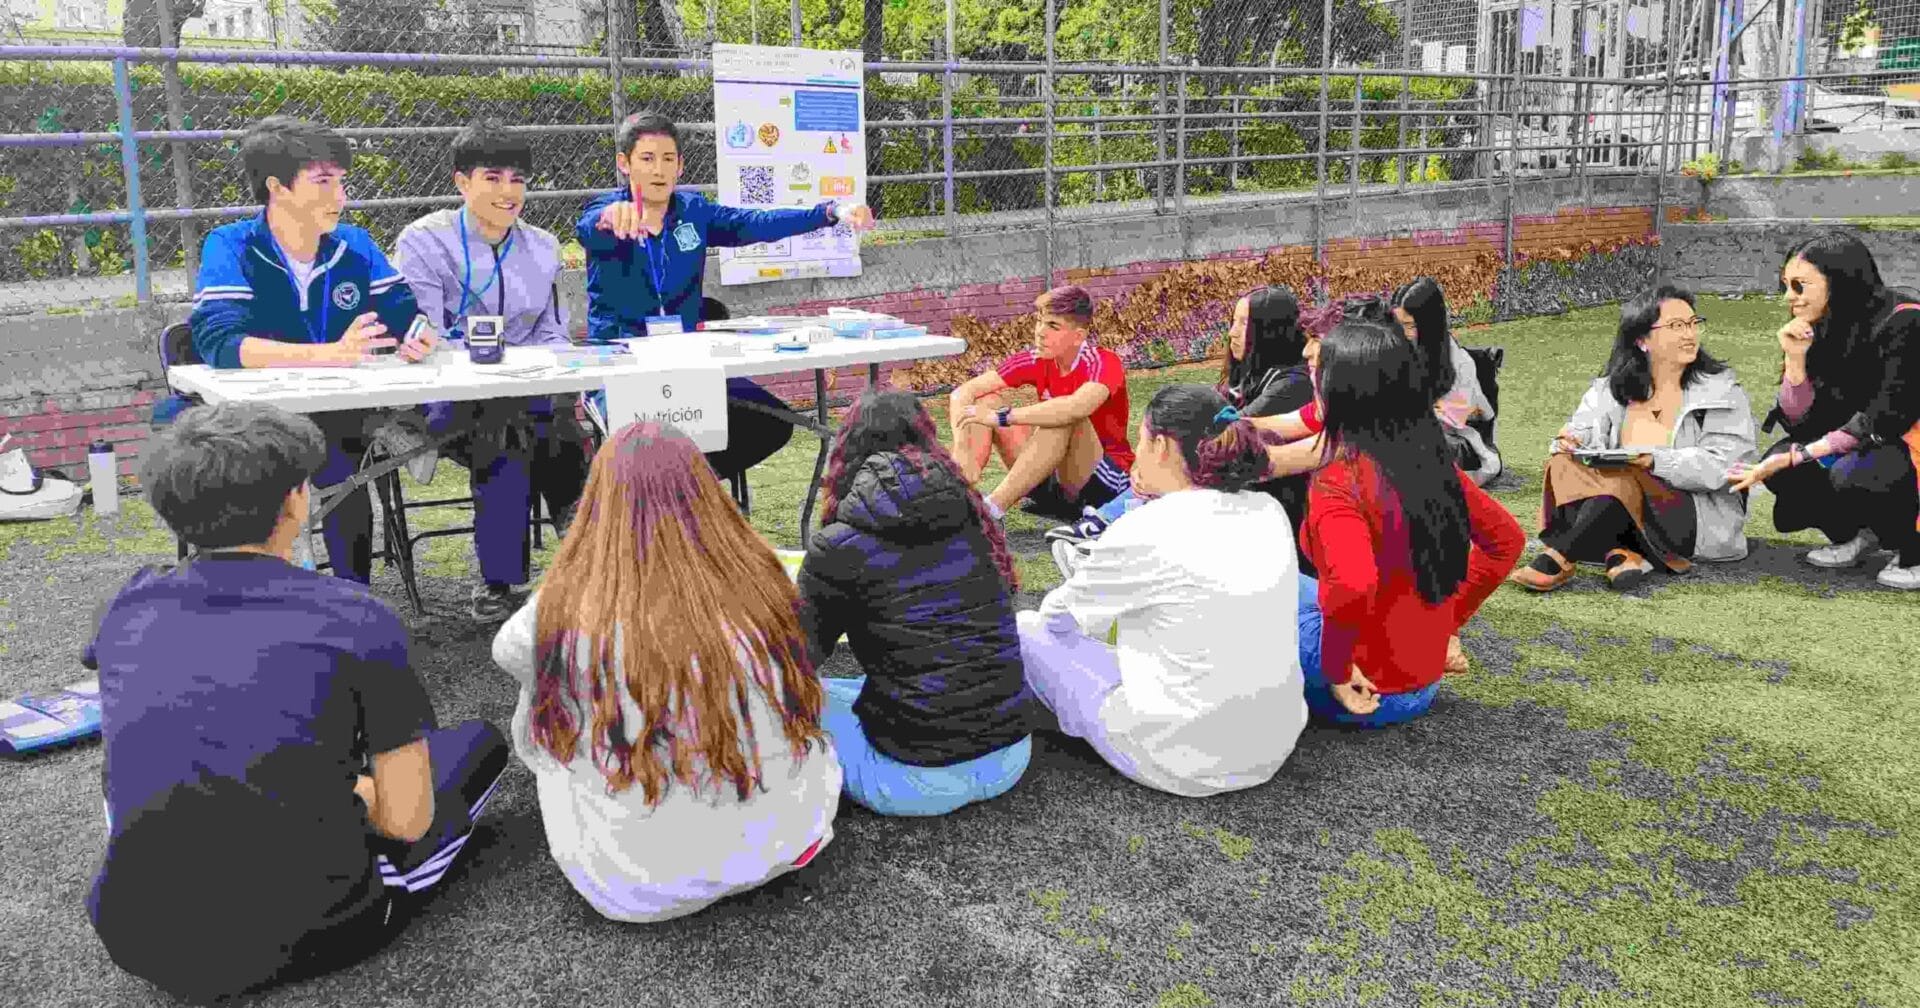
<point x="664" y="325"/>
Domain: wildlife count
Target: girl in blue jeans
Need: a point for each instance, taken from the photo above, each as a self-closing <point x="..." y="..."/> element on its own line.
<point x="910" y="569"/>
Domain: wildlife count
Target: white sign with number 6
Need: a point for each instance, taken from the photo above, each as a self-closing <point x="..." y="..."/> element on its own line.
<point x="693" y="399"/>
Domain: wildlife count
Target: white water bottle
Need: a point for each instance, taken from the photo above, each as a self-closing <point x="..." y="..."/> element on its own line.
<point x="103" y="471"/>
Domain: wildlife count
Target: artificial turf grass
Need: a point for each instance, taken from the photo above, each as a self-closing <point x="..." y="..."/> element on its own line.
<point x="1748" y="840"/>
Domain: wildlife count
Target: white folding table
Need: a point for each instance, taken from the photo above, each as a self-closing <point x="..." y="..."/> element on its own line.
<point x="527" y="372"/>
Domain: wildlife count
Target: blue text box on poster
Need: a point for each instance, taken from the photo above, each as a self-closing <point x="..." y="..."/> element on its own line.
<point x="826" y="111"/>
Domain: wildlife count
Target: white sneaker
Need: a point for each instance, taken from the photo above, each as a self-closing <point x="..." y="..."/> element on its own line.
<point x="1844" y="554"/>
<point x="1067" y="555"/>
<point x="1903" y="578"/>
<point x="26" y="495"/>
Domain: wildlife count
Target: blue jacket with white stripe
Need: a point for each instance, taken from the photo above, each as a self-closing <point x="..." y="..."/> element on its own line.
<point x="621" y="292"/>
<point x="244" y="290"/>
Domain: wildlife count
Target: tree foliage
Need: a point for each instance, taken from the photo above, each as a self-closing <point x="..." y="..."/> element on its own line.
<point x="1201" y="32"/>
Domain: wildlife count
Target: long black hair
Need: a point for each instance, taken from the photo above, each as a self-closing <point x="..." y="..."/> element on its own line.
<point x="1374" y="405"/>
<point x="1629" y="373"/>
<point x="1222" y="451"/>
<point x="890" y="420"/>
<point x="1423" y="299"/>
<point x="1856" y="300"/>
<point x="1274" y="340"/>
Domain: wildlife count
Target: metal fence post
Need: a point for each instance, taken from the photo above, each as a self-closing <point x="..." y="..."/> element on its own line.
<point x="178" y="158"/>
<point x="946" y="129"/>
<point x="615" y="29"/>
<point x="1665" y="152"/>
<point x="1046" y="175"/>
<point x="130" y="166"/>
<point x="1353" y="163"/>
<point x="1180" y="149"/>
<point x="1099" y="157"/>
<point x="1160" y="120"/>
<point x="1320" y="151"/>
<point x="1233" y="166"/>
<point x="793" y="18"/>
<point x="1513" y="158"/>
<point x="1401" y="165"/>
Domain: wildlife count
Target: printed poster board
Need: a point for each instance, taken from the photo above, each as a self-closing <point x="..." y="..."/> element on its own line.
<point x="790" y="131"/>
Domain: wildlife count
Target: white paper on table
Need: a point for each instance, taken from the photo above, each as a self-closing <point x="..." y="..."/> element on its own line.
<point x="689" y="393"/>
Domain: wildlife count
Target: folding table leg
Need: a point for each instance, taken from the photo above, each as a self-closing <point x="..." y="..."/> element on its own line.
<point x="826" y="445"/>
<point x="399" y="543"/>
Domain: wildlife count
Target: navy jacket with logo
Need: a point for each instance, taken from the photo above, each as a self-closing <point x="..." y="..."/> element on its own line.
<point x="244" y="290"/>
<point x="620" y="284"/>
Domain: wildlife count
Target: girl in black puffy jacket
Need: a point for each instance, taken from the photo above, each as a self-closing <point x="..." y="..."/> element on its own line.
<point x="910" y="569"/>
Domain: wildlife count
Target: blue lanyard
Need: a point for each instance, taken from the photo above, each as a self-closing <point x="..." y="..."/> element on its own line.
<point x="657" y="265"/>
<point x="467" y="294"/>
<point x="300" y="295"/>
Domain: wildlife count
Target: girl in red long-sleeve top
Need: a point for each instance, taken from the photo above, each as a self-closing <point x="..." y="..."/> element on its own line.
<point x="1407" y="549"/>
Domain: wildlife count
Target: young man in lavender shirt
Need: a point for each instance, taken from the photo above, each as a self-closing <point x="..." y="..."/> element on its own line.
<point x="481" y="259"/>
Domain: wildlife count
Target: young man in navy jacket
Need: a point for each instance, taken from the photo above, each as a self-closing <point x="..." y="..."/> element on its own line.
<point x="294" y="287"/>
<point x="646" y="250"/>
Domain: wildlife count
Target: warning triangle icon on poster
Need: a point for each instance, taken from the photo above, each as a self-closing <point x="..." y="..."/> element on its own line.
<point x="831" y="149"/>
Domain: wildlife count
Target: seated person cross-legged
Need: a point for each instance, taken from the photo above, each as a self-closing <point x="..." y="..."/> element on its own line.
<point x="276" y="789"/>
<point x="646" y="245"/>
<point x="1407" y="547"/>
<point x="1068" y="451"/>
<point x="908" y="565"/>
<point x="294" y="287"/>
<point x="1172" y="649"/>
<point x="1264" y="372"/>
<point x="667" y="707"/>
<point x="1673" y="421"/>
<point x="477" y="261"/>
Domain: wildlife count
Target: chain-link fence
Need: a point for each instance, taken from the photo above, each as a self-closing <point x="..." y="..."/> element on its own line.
<point x="115" y="160"/>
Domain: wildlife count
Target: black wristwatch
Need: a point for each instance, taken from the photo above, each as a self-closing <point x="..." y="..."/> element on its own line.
<point x="1003" y="416"/>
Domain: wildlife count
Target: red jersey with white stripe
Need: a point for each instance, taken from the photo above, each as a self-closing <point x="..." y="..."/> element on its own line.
<point x="1093" y="363"/>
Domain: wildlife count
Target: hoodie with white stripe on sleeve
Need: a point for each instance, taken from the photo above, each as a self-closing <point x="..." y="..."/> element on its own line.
<point x="246" y="287"/>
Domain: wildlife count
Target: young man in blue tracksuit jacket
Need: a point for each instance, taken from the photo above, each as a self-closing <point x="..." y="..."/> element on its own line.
<point x="646" y="250"/>
<point x="294" y="287"/>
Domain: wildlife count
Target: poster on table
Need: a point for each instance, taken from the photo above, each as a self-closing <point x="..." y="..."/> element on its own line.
<point x="789" y="130"/>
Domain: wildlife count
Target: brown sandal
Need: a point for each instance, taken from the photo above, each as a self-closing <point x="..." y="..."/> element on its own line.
<point x="1626" y="569"/>
<point x="1532" y="580"/>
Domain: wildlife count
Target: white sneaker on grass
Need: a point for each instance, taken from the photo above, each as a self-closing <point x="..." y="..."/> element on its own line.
<point x="1844" y="554"/>
<point x="1903" y="578"/>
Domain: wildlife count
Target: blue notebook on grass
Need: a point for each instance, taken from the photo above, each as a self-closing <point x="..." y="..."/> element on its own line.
<point x="39" y="720"/>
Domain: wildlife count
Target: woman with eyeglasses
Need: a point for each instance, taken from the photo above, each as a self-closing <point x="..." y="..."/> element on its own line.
<point x="1639" y="475"/>
<point x="1850" y="402"/>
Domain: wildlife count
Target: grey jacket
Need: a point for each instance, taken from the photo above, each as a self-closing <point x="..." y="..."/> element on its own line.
<point x="524" y="292"/>
<point x="1715" y="430"/>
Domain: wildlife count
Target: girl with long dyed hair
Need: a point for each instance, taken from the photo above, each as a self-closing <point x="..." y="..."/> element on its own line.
<point x="668" y="708"/>
<point x="908" y="565"/>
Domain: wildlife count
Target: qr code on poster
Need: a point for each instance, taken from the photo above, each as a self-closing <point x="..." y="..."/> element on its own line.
<point x="756" y="185"/>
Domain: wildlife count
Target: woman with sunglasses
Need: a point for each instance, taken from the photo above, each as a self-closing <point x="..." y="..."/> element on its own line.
<point x="1850" y="402"/>
<point x="1638" y="476"/>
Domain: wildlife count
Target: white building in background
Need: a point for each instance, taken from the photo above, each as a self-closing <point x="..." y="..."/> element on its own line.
<point x="555" y="27"/>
